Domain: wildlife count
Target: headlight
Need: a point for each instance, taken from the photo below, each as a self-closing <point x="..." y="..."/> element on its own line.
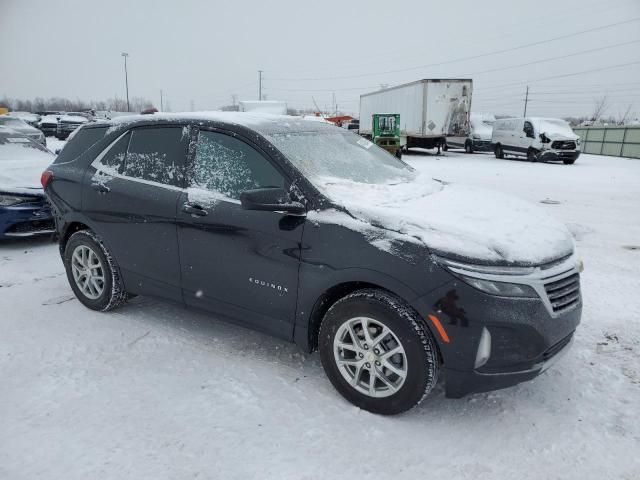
<point x="577" y="141"/>
<point x="479" y="277"/>
<point x="10" y="200"/>
<point x="499" y="288"/>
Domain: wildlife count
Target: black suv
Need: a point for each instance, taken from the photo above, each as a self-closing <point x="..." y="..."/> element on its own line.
<point x="313" y="234"/>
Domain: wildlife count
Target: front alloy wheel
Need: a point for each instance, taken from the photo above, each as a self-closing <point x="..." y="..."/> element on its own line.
<point x="370" y="357"/>
<point x="377" y="352"/>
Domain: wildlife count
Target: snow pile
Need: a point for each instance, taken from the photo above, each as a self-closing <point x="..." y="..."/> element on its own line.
<point x="455" y="220"/>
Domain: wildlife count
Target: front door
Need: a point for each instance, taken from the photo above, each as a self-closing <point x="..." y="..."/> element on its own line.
<point x="240" y="263"/>
<point x="131" y="198"/>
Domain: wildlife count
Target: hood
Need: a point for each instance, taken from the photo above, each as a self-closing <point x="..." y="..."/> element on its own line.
<point x="560" y="136"/>
<point x="20" y="168"/>
<point x="457" y="221"/>
<point x="483" y="131"/>
<point x="73" y="119"/>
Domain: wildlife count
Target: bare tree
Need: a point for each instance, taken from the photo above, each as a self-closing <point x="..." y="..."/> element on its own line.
<point x="623" y="118"/>
<point x="600" y="106"/>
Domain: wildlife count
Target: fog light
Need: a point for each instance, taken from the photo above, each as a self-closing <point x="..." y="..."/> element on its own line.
<point x="484" y="348"/>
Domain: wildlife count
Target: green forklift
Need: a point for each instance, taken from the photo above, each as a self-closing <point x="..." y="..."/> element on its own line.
<point x="386" y="132"/>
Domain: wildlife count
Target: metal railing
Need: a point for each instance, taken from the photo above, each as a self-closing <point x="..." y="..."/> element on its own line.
<point x="606" y="140"/>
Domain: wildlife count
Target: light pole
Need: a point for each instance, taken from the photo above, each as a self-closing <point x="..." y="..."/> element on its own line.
<point x="126" y="78"/>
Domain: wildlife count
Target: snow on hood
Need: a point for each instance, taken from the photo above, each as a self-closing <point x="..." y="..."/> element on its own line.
<point x="73" y="118"/>
<point x="453" y="220"/>
<point x="554" y="128"/>
<point x="21" y="167"/>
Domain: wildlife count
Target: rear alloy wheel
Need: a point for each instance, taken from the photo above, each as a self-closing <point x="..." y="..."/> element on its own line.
<point x="92" y="273"/>
<point x="377" y="352"/>
<point x="499" y="151"/>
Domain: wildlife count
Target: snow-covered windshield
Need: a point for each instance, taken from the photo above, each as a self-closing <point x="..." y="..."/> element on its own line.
<point x="12" y="122"/>
<point x="553" y="125"/>
<point x="340" y="155"/>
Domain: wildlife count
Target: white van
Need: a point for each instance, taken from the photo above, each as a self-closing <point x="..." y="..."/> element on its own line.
<point x="479" y="138"/>
<point x="536" y="139"/>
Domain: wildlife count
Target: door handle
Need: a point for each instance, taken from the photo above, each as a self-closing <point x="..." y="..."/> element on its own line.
<point x="194" y="209"/>
<point x="100" y="188"/>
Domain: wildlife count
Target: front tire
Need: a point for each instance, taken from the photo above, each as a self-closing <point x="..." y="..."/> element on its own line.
<point x="532" y="155"/>
<point x="92" y="272"/>
<point x="377" y="353"/>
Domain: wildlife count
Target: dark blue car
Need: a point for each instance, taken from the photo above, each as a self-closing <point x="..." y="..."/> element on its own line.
<point x="23" y="209"/>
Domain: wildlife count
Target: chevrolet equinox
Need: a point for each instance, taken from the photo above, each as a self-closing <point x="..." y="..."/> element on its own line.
<point x="313" y="234"/>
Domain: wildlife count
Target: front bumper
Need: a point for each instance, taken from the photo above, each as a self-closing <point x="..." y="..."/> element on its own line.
<point x="561" y="155"/>
<point x="26" y="220"/>
<point x="527" y="335"/>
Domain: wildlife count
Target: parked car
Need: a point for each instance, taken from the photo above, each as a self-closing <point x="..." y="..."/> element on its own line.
<point x="479" y="138"/>
<point x="311" y="233"/>
<point x="22" y="127"/>
<point x="23" y="209"/>
<point x="27" y="117"/>
<point x="68" y="123"/>
<point x="536" y="139"/>
<point x="49" y="124"/>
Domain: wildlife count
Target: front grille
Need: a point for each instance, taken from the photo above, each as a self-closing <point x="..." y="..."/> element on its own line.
<point x="553" y="350"/>
<point x="32" y="227"/>
<point x="564" y="294"/>
<point x="563" y="145"/>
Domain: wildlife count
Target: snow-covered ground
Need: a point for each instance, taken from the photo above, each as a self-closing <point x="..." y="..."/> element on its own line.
<point x="155" y="391"/>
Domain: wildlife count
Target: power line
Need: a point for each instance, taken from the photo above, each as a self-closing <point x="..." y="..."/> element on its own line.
<point x="462" y="59"/>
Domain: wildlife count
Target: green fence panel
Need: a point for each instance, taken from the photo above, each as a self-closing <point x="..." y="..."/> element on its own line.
<point x="614" y="141"/>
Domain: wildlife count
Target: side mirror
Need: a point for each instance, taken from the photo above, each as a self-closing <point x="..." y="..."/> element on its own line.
<point x="271" y="199"/>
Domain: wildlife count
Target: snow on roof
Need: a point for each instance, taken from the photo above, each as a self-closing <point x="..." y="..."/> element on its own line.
<point x="73" y="118"/>
<point x="262" y="122"/>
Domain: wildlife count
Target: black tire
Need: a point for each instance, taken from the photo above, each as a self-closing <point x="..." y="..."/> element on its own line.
<point x="113" y="294"/>
<point x="468" y="147"/>
<point x="445" y="147"/>
<point x="569" y="162"/>
<point x="422" y="360"/>
<point x="532" y="155"/>
<point x="499" y="151"/>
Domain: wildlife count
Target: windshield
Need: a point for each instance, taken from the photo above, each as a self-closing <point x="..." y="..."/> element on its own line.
<point x="10" y="144"/>
<point x="346" y="156"/>
<point x="552" y="125"/>
<point x="12" y="122"/>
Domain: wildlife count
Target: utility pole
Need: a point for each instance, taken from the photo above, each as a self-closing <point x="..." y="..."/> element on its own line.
<point x="526" y="100"/>
<point x="126" y="77"/>
<point x="259" y="84"/>
<point x="161" y="103"/>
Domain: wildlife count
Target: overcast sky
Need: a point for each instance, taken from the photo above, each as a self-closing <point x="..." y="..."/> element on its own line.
<point x="202" y="52"/>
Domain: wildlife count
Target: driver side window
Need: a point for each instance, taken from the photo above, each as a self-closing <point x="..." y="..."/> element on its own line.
<point x="229" y="166"/>
<point x="528" y="129"/>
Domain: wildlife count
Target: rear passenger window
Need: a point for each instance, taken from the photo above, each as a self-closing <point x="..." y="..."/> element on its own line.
<point x="113" y="160"/>
<point x="81" y="142"/>
<point x="157" y="154"/>
<point x="229" y="166"/>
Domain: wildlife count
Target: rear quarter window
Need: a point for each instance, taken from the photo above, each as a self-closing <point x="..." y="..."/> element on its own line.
<point x="80" y="143"/>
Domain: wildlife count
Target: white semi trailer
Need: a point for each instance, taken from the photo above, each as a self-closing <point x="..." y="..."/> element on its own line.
<point x="431" y="110"/>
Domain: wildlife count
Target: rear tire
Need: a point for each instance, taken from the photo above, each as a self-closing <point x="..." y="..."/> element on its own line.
<point x="363" y="369"/>
<point x="468" y="147"/>
<point x="92" y="272"/>
<point x="499" y="151"/>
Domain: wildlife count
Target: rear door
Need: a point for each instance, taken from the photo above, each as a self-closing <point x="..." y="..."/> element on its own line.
<point x="239" y="263"/>
<point x="130" y="196"/>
